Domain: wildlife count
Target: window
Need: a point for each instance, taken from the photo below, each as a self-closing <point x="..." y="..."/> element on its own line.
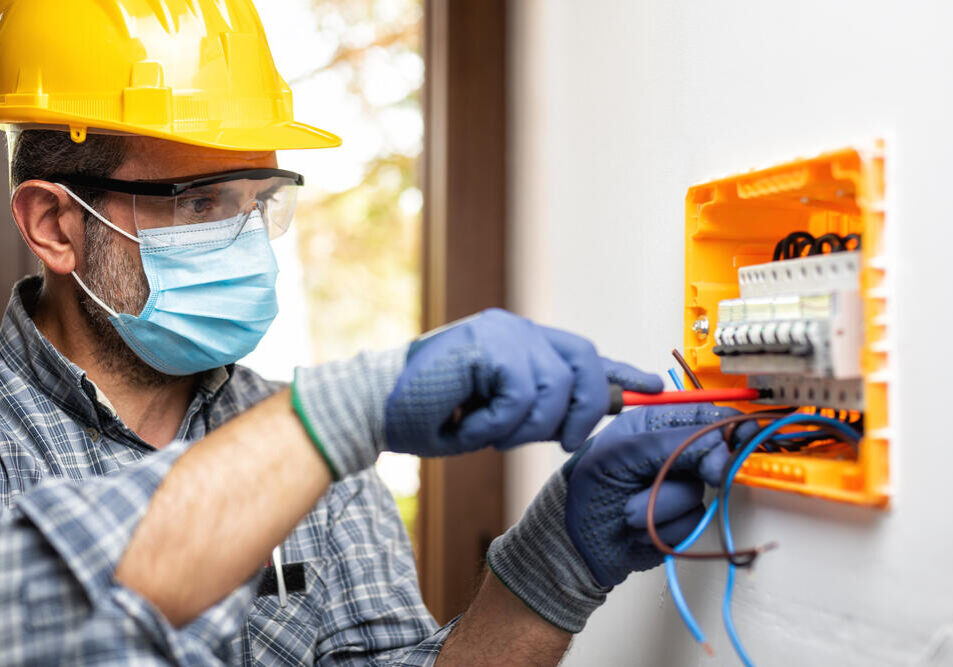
<point x="350" y="265"/>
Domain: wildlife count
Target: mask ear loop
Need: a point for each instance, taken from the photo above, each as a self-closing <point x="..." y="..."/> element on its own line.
<point x="98" y="216"/>
<point x="89" y="292"/>
<point x="256" y="207"/>
<point x="99" y="302"/>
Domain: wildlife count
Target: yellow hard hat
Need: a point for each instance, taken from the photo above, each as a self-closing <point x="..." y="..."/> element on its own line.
<point x="193" y="71"/>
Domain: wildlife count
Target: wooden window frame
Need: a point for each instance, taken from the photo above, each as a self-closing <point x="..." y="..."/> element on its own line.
<point x="464" y="182"/>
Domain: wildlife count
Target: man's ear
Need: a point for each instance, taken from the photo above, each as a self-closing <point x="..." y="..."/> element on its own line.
<point x="50" y="223"/>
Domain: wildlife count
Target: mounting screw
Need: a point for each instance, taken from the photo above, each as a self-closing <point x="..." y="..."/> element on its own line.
<point x="700" y="326"/>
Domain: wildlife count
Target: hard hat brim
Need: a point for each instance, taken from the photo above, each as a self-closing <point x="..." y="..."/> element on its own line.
<point x="287" y="136"/>
<point x="279" y="136"/>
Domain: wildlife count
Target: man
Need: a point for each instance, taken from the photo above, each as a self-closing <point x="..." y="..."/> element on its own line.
<point x="147" y="478"/>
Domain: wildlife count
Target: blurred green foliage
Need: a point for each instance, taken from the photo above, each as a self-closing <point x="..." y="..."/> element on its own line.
<point x="360" y="248"/>
<point x="361" y="259"/>
<point x="407" y="506"/>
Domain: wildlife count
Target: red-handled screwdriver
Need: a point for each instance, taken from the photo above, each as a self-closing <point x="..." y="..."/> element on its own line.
<point x="620" y="398"/>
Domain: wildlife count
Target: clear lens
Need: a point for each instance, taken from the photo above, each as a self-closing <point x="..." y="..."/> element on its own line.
<point x="221" y="206"/>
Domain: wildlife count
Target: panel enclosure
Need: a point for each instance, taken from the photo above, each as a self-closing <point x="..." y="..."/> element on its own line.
<point x="735" y="222"/>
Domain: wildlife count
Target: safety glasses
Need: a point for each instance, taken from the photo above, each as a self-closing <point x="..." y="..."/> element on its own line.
<point x="227" y="199"/>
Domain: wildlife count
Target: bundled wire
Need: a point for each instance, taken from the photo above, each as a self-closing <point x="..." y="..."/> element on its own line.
<point x="678" y="598"/>
<point x="792" y="245"/>
<point x="749" y="554"/>
<point x="837" y="426"/>
<point x="796" y="243"/>
<point x="827" y="427"/>
<point x="671" y="574"/>
<point x="731" y="470"/>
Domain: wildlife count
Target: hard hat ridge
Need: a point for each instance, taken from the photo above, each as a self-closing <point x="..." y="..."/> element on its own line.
<point x="194" y="71"/>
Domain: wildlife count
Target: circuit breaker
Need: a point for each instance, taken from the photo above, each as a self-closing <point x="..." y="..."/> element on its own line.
<point x="785" y="292"/>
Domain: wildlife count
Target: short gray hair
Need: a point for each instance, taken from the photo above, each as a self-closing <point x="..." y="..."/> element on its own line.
<point x="42" y="154"/>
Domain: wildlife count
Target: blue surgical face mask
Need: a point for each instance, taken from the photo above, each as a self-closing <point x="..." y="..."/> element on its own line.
<point x="212" y="293"/>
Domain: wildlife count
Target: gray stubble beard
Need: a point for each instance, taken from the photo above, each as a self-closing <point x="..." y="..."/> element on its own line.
<point x="119" y="280"/>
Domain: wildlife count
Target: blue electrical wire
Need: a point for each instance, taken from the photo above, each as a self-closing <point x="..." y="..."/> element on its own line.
<point x="726" y="603"/>
<point x="677" y="597"/>
<point x="677" y="380"/>
<point x="671" y="574"/>
<point x="755" y="442"/>
<point x="800" y="434"/>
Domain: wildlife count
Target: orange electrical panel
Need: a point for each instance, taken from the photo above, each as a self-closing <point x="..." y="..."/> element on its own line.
<point x="736" y="222"/>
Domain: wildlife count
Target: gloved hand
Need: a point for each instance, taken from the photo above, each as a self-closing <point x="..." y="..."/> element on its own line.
<point x="513" y="382"/>
<point x="495" y="379"/>
<point x="609" y="482"/>
<point x="585" y="531"/>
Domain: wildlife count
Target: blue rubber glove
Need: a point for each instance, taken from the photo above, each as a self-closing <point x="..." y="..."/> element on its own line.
<point x="585" y="531"/>
<point x="610" y="479"/>
<point x="499" y="379"/>
<point x="493" y="379"/>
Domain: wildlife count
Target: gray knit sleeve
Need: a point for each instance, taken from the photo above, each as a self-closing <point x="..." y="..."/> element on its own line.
<point x="342" y="405"/>
<point x="537" y="561"/>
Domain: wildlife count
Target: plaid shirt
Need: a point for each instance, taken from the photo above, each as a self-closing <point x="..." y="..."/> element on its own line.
<point x="74" y="481"/>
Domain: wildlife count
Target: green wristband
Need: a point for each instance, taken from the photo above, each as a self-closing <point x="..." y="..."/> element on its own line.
<point x="299" y="409"/>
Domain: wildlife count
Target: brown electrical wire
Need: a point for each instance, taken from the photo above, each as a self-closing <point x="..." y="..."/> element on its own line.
<point x="749" y="554"/>
<point x="688" y="370"/>
<point x="729" y="435"/>
<point x="730" y="429"/>
<point x="746" y="561"/>
<point x="741" y="558"/>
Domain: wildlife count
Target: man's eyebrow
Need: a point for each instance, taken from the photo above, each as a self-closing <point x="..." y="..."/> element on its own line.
<point x="202" y="189"/>
<point x="267" y="192"/>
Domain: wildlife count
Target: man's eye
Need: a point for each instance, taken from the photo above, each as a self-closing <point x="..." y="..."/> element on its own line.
<point x="199" y="205"/>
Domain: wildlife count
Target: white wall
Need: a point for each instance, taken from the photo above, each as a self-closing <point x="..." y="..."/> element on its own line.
<point x="617" y="108"/>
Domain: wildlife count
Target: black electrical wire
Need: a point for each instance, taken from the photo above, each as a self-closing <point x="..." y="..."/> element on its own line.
<point x="799" y="246"/>
<point x="797" y="242"/>
<point x="729" y="431"/>
<point x="835" y="242"/>
<point x="783" y="248"/>
<point x="789" y="446"/>
<point x="778" y="251"/>
<point x="794" y="244"/>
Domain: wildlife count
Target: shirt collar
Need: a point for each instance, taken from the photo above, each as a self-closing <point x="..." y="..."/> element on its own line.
<point x="31" y="356"/>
